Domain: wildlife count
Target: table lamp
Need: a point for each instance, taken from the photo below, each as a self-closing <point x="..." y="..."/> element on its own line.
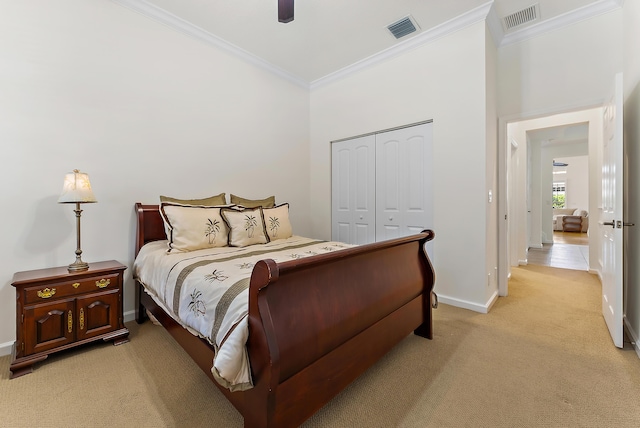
<point x="77" y="190"/>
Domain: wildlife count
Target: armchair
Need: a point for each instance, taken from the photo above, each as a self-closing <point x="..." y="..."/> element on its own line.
<point x="570" y="220"/>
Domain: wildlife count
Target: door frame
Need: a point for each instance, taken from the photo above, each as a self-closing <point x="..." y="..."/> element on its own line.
<point x="504" y="152"/>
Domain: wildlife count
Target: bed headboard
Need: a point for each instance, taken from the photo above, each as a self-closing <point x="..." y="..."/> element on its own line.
<point x="150" y="225"/>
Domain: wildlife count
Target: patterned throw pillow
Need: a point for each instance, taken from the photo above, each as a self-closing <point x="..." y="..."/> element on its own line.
<point x="269" y="202"/>
<point x="193" y="227"/>
<point x="212" y="201"/>
<point x="276" y="221"/>
<point x="246" y="227"/>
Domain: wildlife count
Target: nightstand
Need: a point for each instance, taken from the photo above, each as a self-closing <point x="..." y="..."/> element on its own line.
<point x="57" y="310"/>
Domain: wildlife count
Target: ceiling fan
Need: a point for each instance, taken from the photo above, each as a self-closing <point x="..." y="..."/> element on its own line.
<point x="285" y="11"/>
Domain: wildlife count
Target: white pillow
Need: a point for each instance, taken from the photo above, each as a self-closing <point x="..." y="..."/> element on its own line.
<point x="276" y="221"/>
<point x="194" y="227"/>
<point x="246" y="227"/>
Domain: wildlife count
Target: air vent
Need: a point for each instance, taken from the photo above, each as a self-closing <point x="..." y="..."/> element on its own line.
<point x="403" y="27"/>
<point x="521" y="17"/>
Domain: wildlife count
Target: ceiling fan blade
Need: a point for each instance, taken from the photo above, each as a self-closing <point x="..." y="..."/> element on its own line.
<point x="285" y="11"/>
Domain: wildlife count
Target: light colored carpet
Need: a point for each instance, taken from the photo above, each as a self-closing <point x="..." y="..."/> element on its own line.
<point x="541" y="358"/>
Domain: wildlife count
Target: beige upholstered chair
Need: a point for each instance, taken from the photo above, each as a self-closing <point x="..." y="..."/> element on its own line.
<point x="566" y="219"/>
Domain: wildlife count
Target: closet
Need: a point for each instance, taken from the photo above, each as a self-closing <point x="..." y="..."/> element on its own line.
<point x="382" y="184"/>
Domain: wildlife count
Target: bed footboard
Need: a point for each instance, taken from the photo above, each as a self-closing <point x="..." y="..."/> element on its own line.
<point x="316" y="324"/>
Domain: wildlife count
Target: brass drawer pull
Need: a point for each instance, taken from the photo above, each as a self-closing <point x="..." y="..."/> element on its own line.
<point x="70" y="321"/>
<point x="46" y="293"/>
<point x="103" y="283"/>
<point x="81" y="318"/>
<point x="75" y="285"/>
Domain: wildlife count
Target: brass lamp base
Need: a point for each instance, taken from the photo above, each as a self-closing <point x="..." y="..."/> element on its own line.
<point x="78" y="266"/>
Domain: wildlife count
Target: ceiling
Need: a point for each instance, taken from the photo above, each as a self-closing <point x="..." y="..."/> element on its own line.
<point x="563" y="134"/>
<point x="328" y="35"/>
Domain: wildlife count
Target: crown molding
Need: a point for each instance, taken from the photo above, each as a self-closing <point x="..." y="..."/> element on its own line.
<point x="172" y="21"/>
<point x="473" y="16"/>
<point x="486" y="12"/>
<point x="581" y="14"/>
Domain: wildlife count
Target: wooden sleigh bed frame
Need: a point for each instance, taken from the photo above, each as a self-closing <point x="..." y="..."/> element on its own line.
<point x="316" y="323"/>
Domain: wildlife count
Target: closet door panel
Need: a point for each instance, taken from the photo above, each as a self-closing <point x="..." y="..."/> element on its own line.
<point x="404" y="182"/>
<point x="419" y="185"/>
<point x="388" y="186"/>
<point x="353" y="190"/>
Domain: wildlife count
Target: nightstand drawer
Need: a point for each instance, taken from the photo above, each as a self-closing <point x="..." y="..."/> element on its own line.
<point x="52" y="291"/>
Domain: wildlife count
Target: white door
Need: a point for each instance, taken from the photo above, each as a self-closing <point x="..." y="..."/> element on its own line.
<point x="611" y="223"/>
<point x="404" y="181"/>
<point x="353" y="190"/>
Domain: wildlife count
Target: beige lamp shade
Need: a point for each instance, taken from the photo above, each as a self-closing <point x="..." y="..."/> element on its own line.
<point x="76" y="188"/>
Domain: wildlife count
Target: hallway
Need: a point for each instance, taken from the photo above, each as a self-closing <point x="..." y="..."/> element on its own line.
<point x="570" y="250"/>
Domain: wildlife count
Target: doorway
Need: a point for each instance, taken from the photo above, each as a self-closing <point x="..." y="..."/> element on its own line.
<point x="531" y="147"/>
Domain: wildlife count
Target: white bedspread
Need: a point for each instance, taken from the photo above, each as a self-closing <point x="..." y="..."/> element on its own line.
<point x="207" y="291"/>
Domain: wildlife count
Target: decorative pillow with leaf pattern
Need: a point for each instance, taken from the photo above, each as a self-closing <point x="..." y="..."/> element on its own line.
<point x="193" y="227"/>
<point x="246" y="227"/>
<point x="212" y="201"/>
<point x="276" y="221"/>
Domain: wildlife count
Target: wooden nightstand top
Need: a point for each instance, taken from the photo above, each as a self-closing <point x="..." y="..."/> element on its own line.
<point x="61" y="272"/>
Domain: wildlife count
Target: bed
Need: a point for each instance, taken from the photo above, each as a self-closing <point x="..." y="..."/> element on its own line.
<point x="311" y="328"/>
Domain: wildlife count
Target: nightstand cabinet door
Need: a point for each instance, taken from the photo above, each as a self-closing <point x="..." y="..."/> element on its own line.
<point x="97" y="314"/>
<point x="49" y="325"/>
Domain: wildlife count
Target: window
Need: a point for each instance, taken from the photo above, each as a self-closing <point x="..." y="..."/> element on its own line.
<point x="559" y="194"/>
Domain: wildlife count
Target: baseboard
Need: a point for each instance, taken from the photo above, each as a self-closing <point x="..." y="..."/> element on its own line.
<point x="129" y="315"/>
<point x="5" y="348"/>
<point x="465" y="304"/>
<point x="597" y="272"/>
<point x="634" y="336"/>
<point x="493" y="299"/>
<point x="523" y="262"/>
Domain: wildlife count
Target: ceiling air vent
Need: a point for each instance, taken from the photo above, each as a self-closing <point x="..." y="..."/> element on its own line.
<point x="403" y="27"/>
<point x="521" y="17"/>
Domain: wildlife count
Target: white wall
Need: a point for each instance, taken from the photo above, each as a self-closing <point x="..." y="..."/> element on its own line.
<point x="491" y="170"/>
<point x="445" y="81"/>
<point x="576" y="179"/>
<point x="632" y="149"/>
<point x="568" y="68"/>
<point x="145" y="111"/>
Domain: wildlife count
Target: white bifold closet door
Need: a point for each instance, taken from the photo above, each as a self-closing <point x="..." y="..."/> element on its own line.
<point x="353" y="187"/>
<point x="382" y="185"/>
